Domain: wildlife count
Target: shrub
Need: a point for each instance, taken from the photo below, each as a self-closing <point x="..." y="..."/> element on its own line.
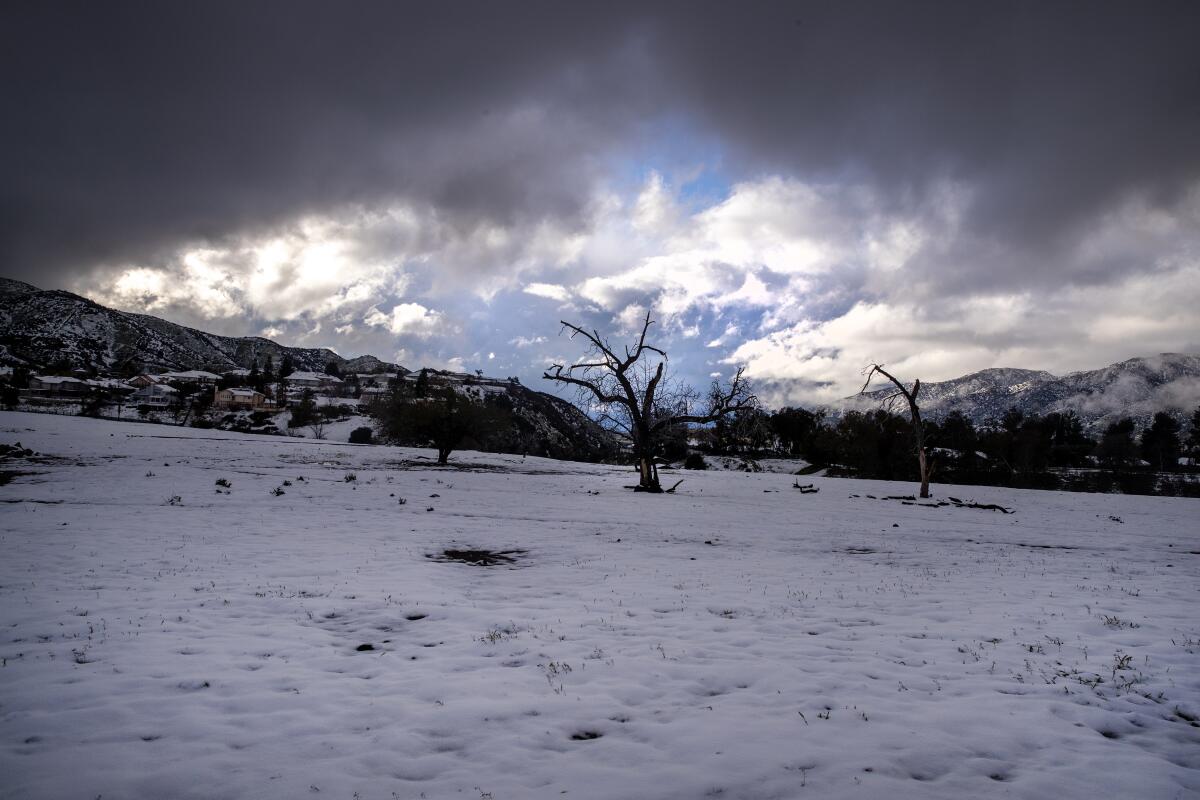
<point x="695" y="461"/>
<point x="363" y="435"/>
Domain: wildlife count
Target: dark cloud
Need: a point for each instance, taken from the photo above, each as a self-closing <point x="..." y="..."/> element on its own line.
<point x="133" y="126"/>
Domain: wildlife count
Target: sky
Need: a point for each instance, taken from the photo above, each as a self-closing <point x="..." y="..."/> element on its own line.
<point x="800" y="188"/>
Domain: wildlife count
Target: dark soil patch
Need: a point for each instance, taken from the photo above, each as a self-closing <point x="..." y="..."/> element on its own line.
<point x="7" y="476"/>
<point x="480" y="558"/>
<point x="860" y="551"/>
<point x="585" y="736"/>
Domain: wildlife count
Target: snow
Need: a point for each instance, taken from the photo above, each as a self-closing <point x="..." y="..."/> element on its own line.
<point x="737" y="639"/>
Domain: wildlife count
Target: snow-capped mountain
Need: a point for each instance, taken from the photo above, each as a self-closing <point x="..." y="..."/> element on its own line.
<point x="43" y="328"/>
<point x="1135" y="388"/>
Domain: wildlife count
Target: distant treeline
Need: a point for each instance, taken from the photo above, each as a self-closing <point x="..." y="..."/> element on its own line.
<point x="1051" y="451"/>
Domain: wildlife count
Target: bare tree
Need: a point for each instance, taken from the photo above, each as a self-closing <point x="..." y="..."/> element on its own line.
<point x="634" y="395"/>
<point x="924" y="463"/>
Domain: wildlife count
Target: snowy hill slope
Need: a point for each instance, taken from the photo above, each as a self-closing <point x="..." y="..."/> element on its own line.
<point x="1136" y="388"/>
<point x="164" y="638"/>
<point x="41" y="328"/>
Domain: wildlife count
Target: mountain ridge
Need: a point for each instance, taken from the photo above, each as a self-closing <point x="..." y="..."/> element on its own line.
<point x="55" y="328"/>
<point x="1135" y="387"/>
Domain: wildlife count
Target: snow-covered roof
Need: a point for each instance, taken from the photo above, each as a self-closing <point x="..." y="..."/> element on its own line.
<point x="191" y="374"/>
<point x="249" y="393"/>
<point x="240" y="372"/>
<point x="56" y="380"/>
<point x="313" y="376"/>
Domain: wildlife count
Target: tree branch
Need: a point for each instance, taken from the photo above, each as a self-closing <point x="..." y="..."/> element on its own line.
<point x="593" y="388"/>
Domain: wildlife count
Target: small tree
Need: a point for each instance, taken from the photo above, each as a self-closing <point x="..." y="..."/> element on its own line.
<point x="924" y="463"/>
<point x="633" y="394"/>
<point x="304" y="412"/>
<point x="443" y="419"/>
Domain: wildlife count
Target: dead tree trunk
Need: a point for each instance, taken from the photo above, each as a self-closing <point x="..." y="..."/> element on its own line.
<point x="626" y="393"/>
<point x="924" y="462"/>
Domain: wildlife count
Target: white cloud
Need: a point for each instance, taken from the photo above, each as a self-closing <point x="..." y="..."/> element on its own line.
<point x="1077" y="328"/>
<point x="805" y="282"/>
<point x="548" y="290"/>
<point x="410" y="319"/>
<point x="526" y="341"/>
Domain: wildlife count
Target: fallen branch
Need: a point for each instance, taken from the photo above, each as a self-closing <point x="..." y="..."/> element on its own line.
<point x="910" y="500"/>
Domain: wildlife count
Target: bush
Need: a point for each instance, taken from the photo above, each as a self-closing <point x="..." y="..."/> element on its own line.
<point x="363" y="435"/>
<point x="695" y="461"/>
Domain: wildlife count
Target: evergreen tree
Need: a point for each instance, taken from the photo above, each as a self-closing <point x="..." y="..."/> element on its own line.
<point x="1116" y="448"/>
<point x="287" y="366"/>
<point x="1160" y="442"/>
<point x="256" y="379"/>
<point x="1193" y="440"/>
<point x="269" y="370"/>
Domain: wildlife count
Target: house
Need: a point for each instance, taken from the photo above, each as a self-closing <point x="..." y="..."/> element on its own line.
<point x="241" y="399"/>
<point x="191" y="376"/>
<point x="312" y="380"/>
<point x="110" y="386"/>
<point x="376" y="378"/>
<point x="241" y="373"/>
<point x="370" y="393"/>
<point x="142" y="381"/>
<point x="156" y="395"/>
<point x="57" y="386"/>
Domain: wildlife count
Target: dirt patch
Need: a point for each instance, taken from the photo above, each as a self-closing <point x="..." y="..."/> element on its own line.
<point x="480" y="558"/>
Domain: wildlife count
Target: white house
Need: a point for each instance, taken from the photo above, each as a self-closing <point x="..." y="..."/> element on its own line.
<point x="156" y="395"/>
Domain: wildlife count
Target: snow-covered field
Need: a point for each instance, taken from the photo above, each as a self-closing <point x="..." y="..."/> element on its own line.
<point x="164" y="638"/>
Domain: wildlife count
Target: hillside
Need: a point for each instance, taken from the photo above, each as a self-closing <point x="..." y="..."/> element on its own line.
<point x="1136" y="388"/>
<point x="56" y="328"/>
